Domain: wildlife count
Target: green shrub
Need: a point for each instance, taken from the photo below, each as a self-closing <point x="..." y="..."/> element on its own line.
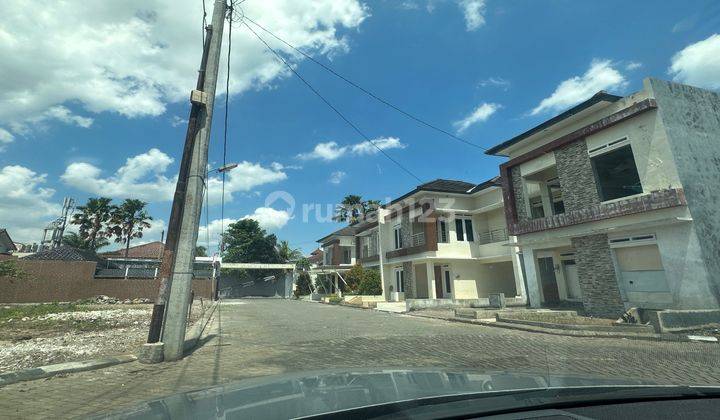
<point x="303" y="284"/>
<point x="334" y="300"/>
<point x="9" y="268"/>
<point x="370" y="284"/>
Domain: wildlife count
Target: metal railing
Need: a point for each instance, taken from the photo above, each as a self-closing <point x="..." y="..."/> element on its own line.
<point x="495" y="235"/>
<point x="417" y="239"/>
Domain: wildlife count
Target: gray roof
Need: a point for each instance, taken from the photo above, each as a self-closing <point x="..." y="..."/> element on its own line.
<point x="6" y="236"/>
<point x="64" y="253"/>
<point x="447" y="185"/>
<point x="601" y="96"/>
<point x="345" y="231"/>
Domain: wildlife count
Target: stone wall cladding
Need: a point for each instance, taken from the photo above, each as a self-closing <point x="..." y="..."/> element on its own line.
<point x="409" y="281"/>
<point x="406" y="230"/>
<point x="577" y="179"/>
<point x="596" y="273"/>
<point x="519" y="193"/>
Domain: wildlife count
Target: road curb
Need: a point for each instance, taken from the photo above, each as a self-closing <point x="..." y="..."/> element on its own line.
<point x="47" y="371"/>
<point x="566" y="333"/>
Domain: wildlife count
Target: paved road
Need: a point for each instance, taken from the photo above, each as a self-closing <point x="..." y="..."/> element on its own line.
<point x="257" y="337"/>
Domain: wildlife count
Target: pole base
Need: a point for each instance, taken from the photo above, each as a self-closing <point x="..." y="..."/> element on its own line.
<point x="152" y="353"/>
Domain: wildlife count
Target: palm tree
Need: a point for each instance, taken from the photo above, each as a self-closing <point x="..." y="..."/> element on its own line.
<point x="92" y="219"/>
<point x="370" y="206"/>
<point x="128" y="221"/>
<point x="200" y="251"/>
<point x="76" y="241"/>
<point x="288" y="254"/>
<point x="349" y="209"/>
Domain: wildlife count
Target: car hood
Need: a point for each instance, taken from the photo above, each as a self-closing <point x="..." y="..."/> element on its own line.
<point x="306" y="394"/>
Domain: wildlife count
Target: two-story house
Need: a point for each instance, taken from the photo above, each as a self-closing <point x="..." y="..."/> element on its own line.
<point x="448" y="240"/>
<point x="614" y="202"/>
<point x="443" y="240"/>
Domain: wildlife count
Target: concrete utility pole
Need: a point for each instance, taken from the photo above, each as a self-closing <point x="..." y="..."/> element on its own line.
<point x="173" y="335"/>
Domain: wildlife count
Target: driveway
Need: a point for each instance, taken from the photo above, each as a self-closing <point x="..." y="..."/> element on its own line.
<point x="257" y="337"/>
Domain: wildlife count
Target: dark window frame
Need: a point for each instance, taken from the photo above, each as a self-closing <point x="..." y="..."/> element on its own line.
<point x="598" y="182"/>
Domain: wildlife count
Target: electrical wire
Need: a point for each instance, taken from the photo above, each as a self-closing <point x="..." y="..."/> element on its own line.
<point x="225" y="131"/>
<point x="364" y="90"/>
<point x="330" y="105"/>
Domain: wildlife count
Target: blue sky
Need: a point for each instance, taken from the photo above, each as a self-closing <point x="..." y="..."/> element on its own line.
<point x="517" y="63"/>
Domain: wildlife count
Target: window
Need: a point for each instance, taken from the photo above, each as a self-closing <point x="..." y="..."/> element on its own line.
<point x="399" y="280"/>
<point x="346" y="255"/>
<point x="616" y="174"/>
<point x="397" y="233"/>
<point x="442" y="231"/>
<point x="464" y="229"/>
<point x="448" y="280"/>
<point x="555" y="193"/>
<point x="536" y="208"/>
<point x="365" y="244"/>
<point x="468" y="230"/>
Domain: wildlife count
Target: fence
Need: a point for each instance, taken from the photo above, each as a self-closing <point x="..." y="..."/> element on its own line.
<point x="495" y="235"/>
<point x="64" y="281"/>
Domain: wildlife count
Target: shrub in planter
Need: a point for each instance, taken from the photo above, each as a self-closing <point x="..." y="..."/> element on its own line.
<point x="334" y="300"/>
<point x="370" y="283"/>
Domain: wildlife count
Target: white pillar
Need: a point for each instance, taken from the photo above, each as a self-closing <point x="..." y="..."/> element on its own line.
<point x="430" y="267"/>
<point x="531" y="275"/>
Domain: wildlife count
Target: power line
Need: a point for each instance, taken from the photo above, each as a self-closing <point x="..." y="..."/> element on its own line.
<point x="366" y="91"/>
<point x="331" y="106"/>
<point x="225" y="131"/>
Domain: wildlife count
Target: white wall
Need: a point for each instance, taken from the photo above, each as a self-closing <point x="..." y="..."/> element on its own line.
<point x="474" y="280"/>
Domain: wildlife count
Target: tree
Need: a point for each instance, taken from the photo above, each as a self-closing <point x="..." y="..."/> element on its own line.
<point x="303" y="264"/>
<point x="9" y="268"/>
<point x="353" y="277"/>
<point x="288" y="254"/>
<point x="74" y="240"/>
<point x="349" y="209"/>
<point x="92" y="219"/>
<point x="200" y="251"/>
<point x="128" y="221"/>
<point x="303" y="284"/>
<point x="370" y="284"/>
<point x="245" y="241"/>
<point x="353" y="209"/>
<point x="370" y="206"/>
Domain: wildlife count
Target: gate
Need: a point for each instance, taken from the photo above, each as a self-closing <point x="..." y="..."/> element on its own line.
<point x="238" y="280"/>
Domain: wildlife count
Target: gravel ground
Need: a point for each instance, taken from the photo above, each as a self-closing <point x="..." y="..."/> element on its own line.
<point x="95" y="331"/>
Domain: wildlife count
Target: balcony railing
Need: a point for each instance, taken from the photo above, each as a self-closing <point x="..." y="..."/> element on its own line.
<point x="495" y="235"/>
<point x="418" y="239"/>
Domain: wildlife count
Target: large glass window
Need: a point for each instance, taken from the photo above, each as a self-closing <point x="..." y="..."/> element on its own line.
<point x="464" y="229"/>
<point x="616" y="174"/>
<point x="442" y="231"/>
<point x="397" y="232"/>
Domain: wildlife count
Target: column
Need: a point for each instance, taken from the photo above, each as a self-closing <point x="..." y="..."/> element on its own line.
<point x="430" y="267"/>
<point x="531" y="276"/>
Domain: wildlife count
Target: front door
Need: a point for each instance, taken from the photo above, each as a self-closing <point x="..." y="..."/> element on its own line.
<point x="571" y="279"/>
<point x="438" y="282"/>
<point x="548" y="280"/>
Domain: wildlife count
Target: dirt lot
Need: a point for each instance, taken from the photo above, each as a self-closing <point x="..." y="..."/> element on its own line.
<point x="36" y="335"/>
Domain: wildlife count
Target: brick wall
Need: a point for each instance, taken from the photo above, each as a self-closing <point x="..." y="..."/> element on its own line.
<point x="577" y="180"/>
<point x="596" y="273"/>
<point x="519" y="193"/>
<point x="409" y="281"/>
<point x="63" y="281"/>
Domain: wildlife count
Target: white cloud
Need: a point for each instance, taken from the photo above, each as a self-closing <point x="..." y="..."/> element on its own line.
<point x="383" y="143"/>
<point x="329" y="151"/>
<point x="214" y="228"/>
<point x="141" y="177"/>
<point x="633" y="65"/>
<point x="600" y="76"/>
<point x="325" y="151"/>
<point x="495" y="81"/>
<point x="336" y="177"/>
<point x="481" y="113"/>
<point x="26" y="206"/>
<point x="698" y="64"/>
<point x="269" y="218"/>
<point x="474" y="11"/>
<point x="244" y="178"/>
<point x="177" y="121"/>
<point x="144" y="177"/>
<point x="135" y="56"/>
<point x="277" y="166"/>
<point x="5" y="137"/>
